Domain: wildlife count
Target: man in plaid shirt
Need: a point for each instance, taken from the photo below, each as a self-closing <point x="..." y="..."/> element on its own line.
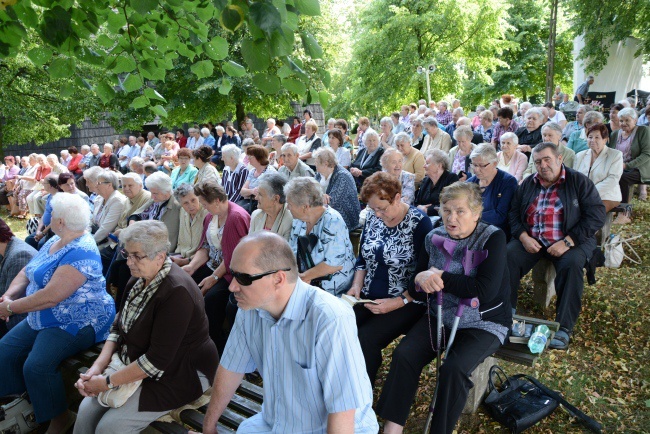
<point x="555" y="214"/>
<point x="444" y="116"/>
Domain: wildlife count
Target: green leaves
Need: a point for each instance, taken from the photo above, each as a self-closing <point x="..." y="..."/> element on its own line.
<point x="269" y="84"/>
<point x="308" y="7"/>
<point x="55" y="27"/>
<point x="143" y="6"/>
<point x="256" y="54"/>
<point x="216" y="49"/>
<point x="40" y="55"/>
<point x="233" y="69"/>
<point x="225" y="86"/>
<point x="123" y="63"/>
<point x="132" y="82"/>
<point x="202" y="69"/>
<point x="232" y="17"/>
<point x="105" y="91"/>
<point x="265" y="16"/>
<point x="62" y="67"/>
<point x="312" y="48"/>
<point x="295" y="86"/>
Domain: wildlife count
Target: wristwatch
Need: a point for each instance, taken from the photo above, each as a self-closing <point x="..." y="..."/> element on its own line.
<point x="108" y="382"/>
<point x="404" y="299"/>
<point x="567" y="242"/>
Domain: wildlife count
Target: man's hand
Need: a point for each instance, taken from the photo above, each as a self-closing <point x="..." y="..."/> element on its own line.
<point x="558" y="249"/>
<point x="430" y="281"/>
<point x="385" y="305"/>
<point x="530" y="244"/>
<point x="207" y="283"/>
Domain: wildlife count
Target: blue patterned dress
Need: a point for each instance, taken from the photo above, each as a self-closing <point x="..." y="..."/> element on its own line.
<point x="90" y="304"/>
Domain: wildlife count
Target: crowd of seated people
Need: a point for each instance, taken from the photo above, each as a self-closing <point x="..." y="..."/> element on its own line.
<point x="423" y="187"/>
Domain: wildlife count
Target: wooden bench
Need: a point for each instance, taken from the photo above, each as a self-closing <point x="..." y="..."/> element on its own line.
<point x="510" y="352"/>
<point x="246" y="402"/>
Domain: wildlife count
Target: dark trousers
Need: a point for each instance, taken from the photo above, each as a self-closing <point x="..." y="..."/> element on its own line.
<point x="569" y="279"/>
<point x="31" y="240"/>
<point x="628" y="179"/>
<point x="376" y="332"/>
<point x="413" y="353"/>
<point x="216" y="301"/>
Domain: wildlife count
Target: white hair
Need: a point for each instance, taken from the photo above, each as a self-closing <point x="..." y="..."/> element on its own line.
<point x="134" y="176"/>
<point x="271" y="120"/>
<point x="205" y="131"/>
<point x="72" y="209"/>
<point x="219" y="128"/>
<point x="92" y="173"/>
<point x="85" y="148"/>
<point x="159" y="181"/>
<point x="485" y="152"/>
<point x="108" y="145"/>
<point x="509" y="136"/>
<point x="289" y="147"/>
<point x="628" y="112"/>
<point x="232" y="151"/>
<point x="388" y="153"/>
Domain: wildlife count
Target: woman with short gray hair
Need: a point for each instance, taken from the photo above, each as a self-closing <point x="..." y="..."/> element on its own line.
<point x="338" y="186"/>
<point x="387" y="138"/>
<point x="531" y="133"/>
<point x="272" y="213"/>
<point x="392" y="162"/>
<point x="319" y="237"/>
<point x="165" y="310"/>
<point x="510" y="159"/>
<point x="190" y="228"/>
<point x="634" y="142"/>
<point x="436" y="138"/>
<point x="108" y="206"/>
<point x="437" y="176"/>
<point x="578" y="139"/>
<point x="497" y="186"/>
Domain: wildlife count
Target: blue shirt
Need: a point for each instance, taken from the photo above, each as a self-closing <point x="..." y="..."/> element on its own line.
<point x="496" y="199"/>
<point x="333" y="247"/>
<point x="209" y="141"/>
<point x="186" y="178"/>
<point x="90" y="304"/>
<point x="47" y="214"/>
<point x="311" y="362"/>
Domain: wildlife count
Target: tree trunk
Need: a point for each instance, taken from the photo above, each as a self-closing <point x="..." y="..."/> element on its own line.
<point x="240" y="113"/>
<point x="550" y="64"/>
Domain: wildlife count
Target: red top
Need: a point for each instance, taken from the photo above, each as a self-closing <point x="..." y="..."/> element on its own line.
<point x="545" y="214"/>
<point x="73" y="165"/>
<point x="182" y="142"/>
<point x="295" y="133"/>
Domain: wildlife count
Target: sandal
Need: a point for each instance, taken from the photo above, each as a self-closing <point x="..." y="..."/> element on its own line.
<point x="560" y="341"/>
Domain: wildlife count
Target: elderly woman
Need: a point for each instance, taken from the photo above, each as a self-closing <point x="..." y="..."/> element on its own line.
<point x="258" y="156"/>
<point x="270" y="131"/>
<point x="319" y="237"/>
<point x="531" y="134"/>
<point x="293" y="167"/>
<point x="578" y="139"/>
<point x="442" y="267"/>
<point x="210" y="267"/>
<point x="485" y="129"/>
<point x="476" y="120"/>
<point x="109" y="160"/>
<point x="43" y="233"/>
<point x="34" y="204"/>
<point x="208" y="139"/>
<point x="219" y="143"/>
<point x="190" y="228"/>
<point x="552" y="133"/>
<point x="25" y="186"/>
<point x="574" y="125"/>
<point x="68" y="310"/>
<point x="417" y="133"/>
<point x="504" y="125"/>
<point x="437" y="177"/>
<point x="362" y="127"/>
<point x="392" y="161"/>
<point x="160" y="338"/>
<point x="368" y="158"/>
<point x="73" y="165"/>
<point x="108" y="207"/>
<point x="277" y="143"/>
<point x="386" y="135"/>
<point x="497" y="186"/>
<point x="206" y="171"/>
<point x="16" y="255"/>
<point x="603" y="165"/>
<point x="523" y="108"/>
<point x="510" y="159"/>
<point x="309" y="143"/>
<point x="57" y="167"/>
<point x="459" y="155"/>
<point x="338" y="186"/>
<point x="436" y="138"/>
<point x="634" y="142"/>
<point x="413" y="158"/>
<point x="272" y="213"/>
<point x="343" y="155"/>
<point x="235" y="173"/>
<point x="185" y="173"/>
<point x="392" y="238"/>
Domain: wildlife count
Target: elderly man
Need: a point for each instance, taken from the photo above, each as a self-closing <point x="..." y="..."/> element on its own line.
<point x="582" y="94"/>
<point x="531" y="134"/>
<point x="293" y="166"/>
<point x="123" y="154"/>
<point x="443" y="117"/>
<point x="456" y="114"/>
<point x="195" y="141"/>
<point x="523" y="108"/>
<point x="302" y="341"/>
<point x="65" y="157"/>
<point x="85" y="157"/>
<point x="135" y="149"/>
<point x="152" y="140"/>
<point x="554" y="215"/>
<point x="250" y="132"/>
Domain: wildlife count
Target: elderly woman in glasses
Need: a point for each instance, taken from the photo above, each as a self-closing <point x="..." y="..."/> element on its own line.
<point x="184" y="173"/>
<point x="160" y="338"/>
<point x="497" y="186"/>
<point x="319" y="237"/>
<point x="392" y="238"/>
<point x="459" y="155"/>
<point x="68" y="310"/>
<point x="392" y="161"/>
<point x="210" y="267"/>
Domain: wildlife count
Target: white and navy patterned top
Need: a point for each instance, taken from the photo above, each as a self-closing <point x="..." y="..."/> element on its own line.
<point x="90" y="304"/>
<point x="309" y="360"/>
<point x="233" y="181"/>
<point x="390" y="254"/>
<point x="333" y="247"/>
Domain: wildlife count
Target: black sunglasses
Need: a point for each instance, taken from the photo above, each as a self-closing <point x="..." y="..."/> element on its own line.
<point x="246" y="279"/>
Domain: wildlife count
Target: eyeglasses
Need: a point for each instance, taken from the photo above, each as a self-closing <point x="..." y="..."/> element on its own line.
<point x="480" y="166"/>
<point x="126" y="255"/>
<point x="103" y="182"/>
<point x="380" y="210"/>
<point x="245" y="279"/>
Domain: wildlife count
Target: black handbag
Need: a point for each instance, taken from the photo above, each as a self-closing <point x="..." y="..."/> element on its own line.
<point x="523" y="401"/>
<point x="305" y="246"/>
<point x="519" y="404"/>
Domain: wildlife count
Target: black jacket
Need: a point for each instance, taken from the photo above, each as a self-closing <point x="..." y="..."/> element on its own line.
<point x="584" y="212"/>
<point x="370" y="166"/>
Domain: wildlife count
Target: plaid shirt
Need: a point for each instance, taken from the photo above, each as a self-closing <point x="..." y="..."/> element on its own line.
<point x="498" y="130"/>
<point x="137" y="300"/>
<point x="444" y="118"/>
<point x="545" y="214"/>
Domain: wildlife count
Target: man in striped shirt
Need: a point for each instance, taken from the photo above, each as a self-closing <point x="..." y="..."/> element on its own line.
<point x="302" y="340"/>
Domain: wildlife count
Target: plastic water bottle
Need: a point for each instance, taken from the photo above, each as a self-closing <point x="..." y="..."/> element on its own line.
<point x="538" y="339"/>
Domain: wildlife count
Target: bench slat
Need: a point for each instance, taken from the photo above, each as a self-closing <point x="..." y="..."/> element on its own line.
<point x="251" y="391"/>
<point x="194" y="419"/>
<point x="231" y="419"/>
<point x="244" y="406"/>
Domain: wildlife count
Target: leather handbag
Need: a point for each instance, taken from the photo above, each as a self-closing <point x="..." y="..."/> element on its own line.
<point x="518" y="404"/>
<point x="117" y="396"/>
<point x="17" y="415"/>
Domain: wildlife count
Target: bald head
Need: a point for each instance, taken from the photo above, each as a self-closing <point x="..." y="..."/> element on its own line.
<point x="266" y="251"/>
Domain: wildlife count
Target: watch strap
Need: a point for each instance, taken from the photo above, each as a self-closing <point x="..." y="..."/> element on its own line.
<point x="404" y="299"/>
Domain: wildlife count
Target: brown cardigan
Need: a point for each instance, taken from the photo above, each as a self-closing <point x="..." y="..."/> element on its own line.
<point x="173" y="332"/>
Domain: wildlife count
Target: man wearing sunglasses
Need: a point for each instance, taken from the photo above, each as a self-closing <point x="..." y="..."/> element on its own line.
<point x="301" y="339"/>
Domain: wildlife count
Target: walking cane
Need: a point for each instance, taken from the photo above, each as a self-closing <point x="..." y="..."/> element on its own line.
<point x="472" y="302"/>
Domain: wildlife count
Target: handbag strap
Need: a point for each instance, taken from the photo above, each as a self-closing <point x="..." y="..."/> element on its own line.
<point x="590" y="423"/>
<point x="499" y="372"/>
